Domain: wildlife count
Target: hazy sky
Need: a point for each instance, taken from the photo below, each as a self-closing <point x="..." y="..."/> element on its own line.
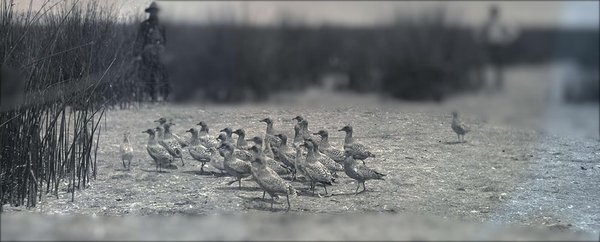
<point x="548" y="13"/>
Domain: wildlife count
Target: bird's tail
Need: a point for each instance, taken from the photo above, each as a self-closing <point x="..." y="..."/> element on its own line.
<point x="369" y="154"/>
<point x="380" y="175"/>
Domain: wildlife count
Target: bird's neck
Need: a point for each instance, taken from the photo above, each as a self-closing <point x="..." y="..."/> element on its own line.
<point x="203" y="131"/>
<point x="348" y="161"/>
<point x="325" y="141"/>
<point x="348" y="139"/>
<point x="167" y="134"/>
<point x="241" y="142"/>
<point x="195" y="140"/>
<point x="269" y="128"/>
<point x="297" y="136"/>
<point x="310" y="156"/>
<point x="267" y="147"/>
<point x="228" y="156"/>
<point x="152" y="140"/>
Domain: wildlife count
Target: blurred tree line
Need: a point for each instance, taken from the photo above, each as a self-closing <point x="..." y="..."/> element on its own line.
<point x="427" y="58"/>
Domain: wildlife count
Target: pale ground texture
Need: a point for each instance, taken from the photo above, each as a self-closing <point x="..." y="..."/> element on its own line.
<point x="530" y="170"/>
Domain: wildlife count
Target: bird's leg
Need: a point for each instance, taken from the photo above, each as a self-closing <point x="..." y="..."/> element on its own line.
<point x="202" y="168"/>
<point x="182" y="163"/>
<point x="364" y="187"/>
<point x="240" y="182"/>
<point x="287" y="196"/>
<point x="357" y="187"/>
<point x="264" y="192"/>
<point x="325" y="187"/>
<point x="458" y="135"/>
<point x="123" y="160"/>
<point x="363" y="162"/>
<point x="272" y="201"/>
<point x="129" y="164"/>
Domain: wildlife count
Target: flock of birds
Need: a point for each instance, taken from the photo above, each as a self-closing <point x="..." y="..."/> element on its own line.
<point x="268" y="159"/>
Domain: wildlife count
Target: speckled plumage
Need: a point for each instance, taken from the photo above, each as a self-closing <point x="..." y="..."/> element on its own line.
<point x="336" y="154"/>
<point x="170" y="143"/>
<point x="234" y="166"/>
<point x="315" y="170"/>
<point x="325" y="160"/>
<point x="359" y="172"/>
<point x="358" y="150"/>
<point x="271" y="183"/>
<point x="197" y="150"/>
<point x="270" y="134"/>
<point x="159" y="154"/>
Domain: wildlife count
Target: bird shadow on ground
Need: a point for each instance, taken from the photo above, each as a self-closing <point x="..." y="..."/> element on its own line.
<point x="200" y="173"/>
<point x="154" y="171"/>
<point x="243" y="188"/>
<point x="267" y="199"/>
<point x="453" y="142"/>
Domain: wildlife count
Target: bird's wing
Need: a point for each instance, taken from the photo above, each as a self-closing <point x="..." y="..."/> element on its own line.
<point x="274" y="183"/>
<point x="368" y="173"/>
<point x="240" y="166"/>
<point x="159" y="153"/>
<point x="182" y="142"/>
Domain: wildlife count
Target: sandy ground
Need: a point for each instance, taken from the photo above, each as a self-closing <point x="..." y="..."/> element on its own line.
<point x="529" y="162"/>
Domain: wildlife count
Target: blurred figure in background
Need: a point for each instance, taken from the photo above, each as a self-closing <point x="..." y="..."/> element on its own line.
<point x="150" y="44"/>
<point x="495" y="37"/>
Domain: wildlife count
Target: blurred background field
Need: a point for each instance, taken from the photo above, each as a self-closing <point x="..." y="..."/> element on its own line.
<point x="395" y="70"/>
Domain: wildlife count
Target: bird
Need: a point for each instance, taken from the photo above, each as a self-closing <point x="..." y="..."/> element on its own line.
<point x="270" y="133"/>
<point x="234" y="166"/>
<point x="304" y="129"/>
<point x="242" y="154"/>
<point x="241" y="140"/>
<point x="169" y="142"/>
<point x="216" y="160"/>
<point x="182" y="141"/>
<point x="159" y="154"/>
<point x="336" y="154"/>
<point x="197" y="150"/>
<point x="358" y="172"/>
<point x="333" y="166"/>
<point x="228" y="131"/>
<point x="204" y="137"/>
<point x="459" y="128"/>
<point x="298" y="140"/>
<point x="126" y="151"/>
<point x="314" y="170"/>
<point x="271" y="183"/>
<point x="359" y="151"/>
<point x="286" y="156"/>
<point x="273" y="164"/>
<point x="283" y="147"/>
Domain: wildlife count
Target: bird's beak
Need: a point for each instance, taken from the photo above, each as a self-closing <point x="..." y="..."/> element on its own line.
<point x="157" y="121"/>
<point x="316" y="133"/>
<point x="189" y="130"/>
<point x="341" y="129"/>
<point x="222" y="130"/>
